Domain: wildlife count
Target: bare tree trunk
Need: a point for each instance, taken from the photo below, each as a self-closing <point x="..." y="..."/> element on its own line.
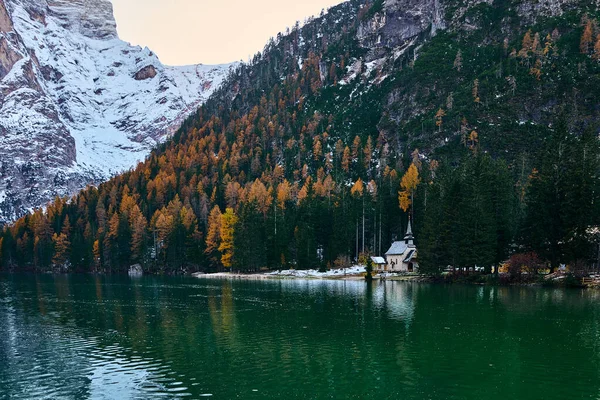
<point x="363" y="226"/>
<point x="380" y="223"/>
<point x="374" y="248"/>
<point x="598" y="259"/>
<point x="357" y="239"/>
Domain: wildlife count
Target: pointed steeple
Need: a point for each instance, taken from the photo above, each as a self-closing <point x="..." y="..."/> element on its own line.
<point x="409" y="237"/>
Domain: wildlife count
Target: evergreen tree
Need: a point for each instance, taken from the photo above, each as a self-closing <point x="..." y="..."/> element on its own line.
<point x="564" y="186"/>
<point x="61" y="249"/>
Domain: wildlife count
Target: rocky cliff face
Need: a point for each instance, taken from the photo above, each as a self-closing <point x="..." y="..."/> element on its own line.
<point x="395" y="34"/>
<point x="77" y="104"/>
<point x="399" y="21"/>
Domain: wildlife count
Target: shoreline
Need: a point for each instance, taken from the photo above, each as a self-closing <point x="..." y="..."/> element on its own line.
<point x="480" y="280"/>
<point x="268" y="276"/>
<point x="354" y="273"/>
<point x="564" y="280"/>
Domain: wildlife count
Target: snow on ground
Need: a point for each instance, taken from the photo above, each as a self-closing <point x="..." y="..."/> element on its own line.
<point x="313" y="273"/>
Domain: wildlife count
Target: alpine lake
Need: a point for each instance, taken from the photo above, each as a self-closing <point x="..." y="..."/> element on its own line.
<point x="116" y="337"/>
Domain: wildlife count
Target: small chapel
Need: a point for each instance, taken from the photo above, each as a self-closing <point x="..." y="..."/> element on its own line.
<point x="402" y="255"/>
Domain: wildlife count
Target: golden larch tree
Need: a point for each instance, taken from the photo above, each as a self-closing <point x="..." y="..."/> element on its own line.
<point x="473" y="140"/>
<point x="284" y="193"/>
<point x="213" y="235"/>
<point x="304" y="191"/>
<point x="475" y="91"/>
<point x="586" y="38"/>
<point x="164" y="227"/>
<point x="358" y="188"/>
<point x="548" y="45"/>
<point x="356" y="145"/>
<point x="536" y="70"/>
<point x="260" y="196"/>
<point x="228" y="222"/>
<point x="317" y="149"/>
<point x="346" y="160"/>
<point x="409" y="184"/>
<point x="596" y="54"/>
<point x="113" y="227"/>
<point x="526" y="45"/>
<point x="439" y="115"/>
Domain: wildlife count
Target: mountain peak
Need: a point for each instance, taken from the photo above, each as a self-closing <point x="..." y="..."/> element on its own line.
<point x="78" y="105"/>
<point x="91" y="18"/>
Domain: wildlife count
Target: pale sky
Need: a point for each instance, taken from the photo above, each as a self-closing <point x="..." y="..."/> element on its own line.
<point x="184" y="32"/>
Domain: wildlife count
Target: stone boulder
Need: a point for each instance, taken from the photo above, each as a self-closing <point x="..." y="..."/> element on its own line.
<point x="148" y="72"/>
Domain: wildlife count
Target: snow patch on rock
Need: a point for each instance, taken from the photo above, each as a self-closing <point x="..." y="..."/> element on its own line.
<point x="72" y="111"/>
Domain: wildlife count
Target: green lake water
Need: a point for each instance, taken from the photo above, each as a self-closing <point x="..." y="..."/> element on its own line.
<point x="88" y="337"/>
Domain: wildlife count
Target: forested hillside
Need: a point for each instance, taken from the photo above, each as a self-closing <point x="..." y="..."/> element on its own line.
<point x="479" y="120"/>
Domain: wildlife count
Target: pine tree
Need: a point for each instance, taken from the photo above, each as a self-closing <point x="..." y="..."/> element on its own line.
<point x="450" y="101"/>
<point x="249" y="240"/>
<point x="476" y="223"/>
<point x="66" y="228"/>
<point x="458" y="61"/>
<point x="138" y="238"/>
<point x="110" y="246"/>
<point x="369" y="269"/>
<point x="61" y="249"/>
<point x="97" y="255"/>
<point x="560" y="189"/>
<point x="42" y="242"/>
<point x="512" y="84"/>
<point x="368" y="154"/>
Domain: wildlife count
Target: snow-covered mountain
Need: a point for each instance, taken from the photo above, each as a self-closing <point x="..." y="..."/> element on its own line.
<point x="77" y="104"/>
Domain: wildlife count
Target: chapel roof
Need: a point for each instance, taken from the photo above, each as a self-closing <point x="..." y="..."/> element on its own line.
<point x="397" y="248"/>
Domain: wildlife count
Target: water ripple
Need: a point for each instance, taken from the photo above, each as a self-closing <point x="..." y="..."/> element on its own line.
<point x="109" y="338"/>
